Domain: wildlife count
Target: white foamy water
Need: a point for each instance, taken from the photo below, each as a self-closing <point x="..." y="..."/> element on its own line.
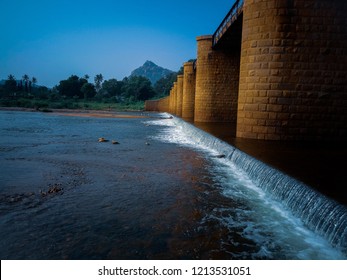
<point x="253" y="217"/>
<point x="162" y="193"/>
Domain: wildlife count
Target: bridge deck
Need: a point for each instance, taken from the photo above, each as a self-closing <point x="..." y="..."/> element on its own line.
<point x="234" y="13"/>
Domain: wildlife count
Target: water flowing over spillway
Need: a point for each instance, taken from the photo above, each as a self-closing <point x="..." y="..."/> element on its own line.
<point x="318" y="213"/>
<point x="168" y="190"/>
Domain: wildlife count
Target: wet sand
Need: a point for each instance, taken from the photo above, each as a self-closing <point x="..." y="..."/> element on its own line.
<point x="101" y="115"/>
<point x="84" y="113"/>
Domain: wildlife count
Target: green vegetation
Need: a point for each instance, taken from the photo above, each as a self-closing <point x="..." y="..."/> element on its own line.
<point x="77" y="93"/>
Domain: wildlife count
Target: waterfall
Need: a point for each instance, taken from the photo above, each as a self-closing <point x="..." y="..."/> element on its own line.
<point x="319" y="213"/>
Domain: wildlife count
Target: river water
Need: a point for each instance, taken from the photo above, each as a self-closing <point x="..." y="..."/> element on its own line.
<point x="155" y="195"/>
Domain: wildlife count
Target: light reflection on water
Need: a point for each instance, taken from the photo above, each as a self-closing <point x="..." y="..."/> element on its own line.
<point x="153" y="196"/>
<point x="253" y="215"/>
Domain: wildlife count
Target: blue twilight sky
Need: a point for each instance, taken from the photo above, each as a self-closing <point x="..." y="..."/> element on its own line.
<point x="52" y="40"/>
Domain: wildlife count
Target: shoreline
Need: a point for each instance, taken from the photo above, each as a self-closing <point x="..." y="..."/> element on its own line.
<point x="319" y="165"/>
<point x="81" y="112"/>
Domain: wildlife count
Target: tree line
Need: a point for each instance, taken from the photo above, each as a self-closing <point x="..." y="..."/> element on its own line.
<point x="26" y="84"/>
<point x="135" y="88"/>
<point x="130" y="89"/>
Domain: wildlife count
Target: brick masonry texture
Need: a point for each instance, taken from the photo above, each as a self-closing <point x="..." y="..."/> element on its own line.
<point x="293" y="73"/>
<point x="170" y="102"/>
<point x="160" y="105"/>
<point x="287" y="82"/>
<point x="174" y="90"/>
<point x="188" y="91"/>
<point x="179" y="95"/>
<point x="216" y="89"/>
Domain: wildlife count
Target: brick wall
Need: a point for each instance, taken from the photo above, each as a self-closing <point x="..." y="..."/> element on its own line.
<point x="217" y="76"/>
<point x="293" y="73"/>
<point x="188" y="91"/>
<point x="163" y="104"/>
<point x="159" y="105"/>
<point x="179" y="91"/>
<point x="151" y="105"/>
<point x="171" y="102"/>
<point x="174" y="91"/>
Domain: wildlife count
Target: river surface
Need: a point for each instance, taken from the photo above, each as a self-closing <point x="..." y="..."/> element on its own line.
<point x="155" y="195"/>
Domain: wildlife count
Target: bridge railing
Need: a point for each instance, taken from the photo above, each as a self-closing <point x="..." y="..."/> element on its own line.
<point x="232" y="15"/>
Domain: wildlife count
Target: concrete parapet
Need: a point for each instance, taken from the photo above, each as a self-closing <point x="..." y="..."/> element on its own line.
<point x="188" y="90"/>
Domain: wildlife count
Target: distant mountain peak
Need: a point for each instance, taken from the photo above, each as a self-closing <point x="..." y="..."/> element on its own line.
<point x="149" y="63"/>
<point x="151" y="71"/>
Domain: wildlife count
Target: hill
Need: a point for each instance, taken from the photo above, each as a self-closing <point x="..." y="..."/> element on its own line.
<point x="151" y="71"/>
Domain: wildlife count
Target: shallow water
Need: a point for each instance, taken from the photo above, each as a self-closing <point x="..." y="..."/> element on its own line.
<point x="156" y="195"/>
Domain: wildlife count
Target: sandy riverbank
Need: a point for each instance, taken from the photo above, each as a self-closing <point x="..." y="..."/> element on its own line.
<point x="84" y="113"/>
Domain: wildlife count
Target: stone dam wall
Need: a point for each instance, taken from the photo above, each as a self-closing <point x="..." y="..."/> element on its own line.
<point x="279" y="72"/>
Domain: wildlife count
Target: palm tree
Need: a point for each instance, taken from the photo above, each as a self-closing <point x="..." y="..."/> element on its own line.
<point x="11" y="77"/>
<point x="32" y="83"/>
<point x="26" y="79"/>
<point x="10" y="84"/>
<point x="98" y="80"/>
<point x="34" y="80"/>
